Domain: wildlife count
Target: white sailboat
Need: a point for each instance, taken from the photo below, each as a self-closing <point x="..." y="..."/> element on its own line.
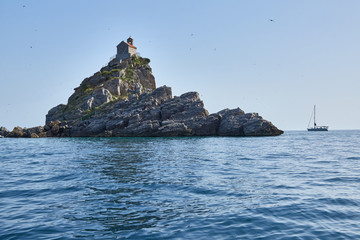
<point x="316" y="127"/>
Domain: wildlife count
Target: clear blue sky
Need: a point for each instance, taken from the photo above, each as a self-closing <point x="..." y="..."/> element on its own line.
<point x="228" y="51"/>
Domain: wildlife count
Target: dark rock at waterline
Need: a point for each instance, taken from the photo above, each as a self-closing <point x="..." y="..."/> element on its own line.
<point x="17" y="132"/>
<point x="51" y="129"/>
<point x="4" y="132"/>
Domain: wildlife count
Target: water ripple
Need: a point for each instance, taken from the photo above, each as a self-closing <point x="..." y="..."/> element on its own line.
<point x="181" y="188"/>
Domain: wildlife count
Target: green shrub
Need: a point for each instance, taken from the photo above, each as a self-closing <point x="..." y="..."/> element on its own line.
<point x="106" y="73"/>
<point x="88" y="89"/>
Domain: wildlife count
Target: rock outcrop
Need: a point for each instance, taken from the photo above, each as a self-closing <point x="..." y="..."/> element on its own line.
<point x="121" y="100"/>
<point x="3" y="132"/>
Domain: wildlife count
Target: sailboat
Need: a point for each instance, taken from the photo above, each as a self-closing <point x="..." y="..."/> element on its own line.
<point x="316" y="127"/>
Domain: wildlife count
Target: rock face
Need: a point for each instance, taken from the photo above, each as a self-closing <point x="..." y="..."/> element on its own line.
<point x="159" y="114"/>
<point x="121" y="100"/>
<point x="3" y="132"/>
<point x="117" y="80"/>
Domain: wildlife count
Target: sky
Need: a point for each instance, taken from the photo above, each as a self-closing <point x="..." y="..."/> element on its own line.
<point x="277" y="58"/>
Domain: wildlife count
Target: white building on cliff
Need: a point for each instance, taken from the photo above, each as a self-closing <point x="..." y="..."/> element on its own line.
<point x="125" y="49"/>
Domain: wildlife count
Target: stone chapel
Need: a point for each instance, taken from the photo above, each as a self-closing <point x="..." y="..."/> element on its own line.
<point x="125" y="49"/>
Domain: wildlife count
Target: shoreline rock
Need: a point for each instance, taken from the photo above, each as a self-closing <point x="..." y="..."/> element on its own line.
<point x="121" y="100"/>
<point x="155" y="114"/>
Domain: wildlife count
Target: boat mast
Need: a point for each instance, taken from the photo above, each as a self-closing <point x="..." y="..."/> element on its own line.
<point x="314" y="116"/>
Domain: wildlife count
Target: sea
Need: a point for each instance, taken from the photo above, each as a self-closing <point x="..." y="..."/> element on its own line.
<point x="300" y="185"/>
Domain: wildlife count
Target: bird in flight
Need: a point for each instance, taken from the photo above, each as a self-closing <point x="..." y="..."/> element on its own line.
<point x="271" y="20"/>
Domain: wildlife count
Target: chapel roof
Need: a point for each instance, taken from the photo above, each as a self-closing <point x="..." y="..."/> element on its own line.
<point x="131" y="45"/>
<point x="127" y="44"/>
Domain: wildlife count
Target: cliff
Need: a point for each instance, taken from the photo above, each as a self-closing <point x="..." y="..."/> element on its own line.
<point x="122" y="100"/>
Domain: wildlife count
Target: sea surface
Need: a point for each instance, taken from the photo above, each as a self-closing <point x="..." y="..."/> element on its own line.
<point x="300" y="185"/>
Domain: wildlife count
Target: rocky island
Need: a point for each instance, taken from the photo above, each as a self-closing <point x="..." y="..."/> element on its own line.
<point x="122" y="100"/>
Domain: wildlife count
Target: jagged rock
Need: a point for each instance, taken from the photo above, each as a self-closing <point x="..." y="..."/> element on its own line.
<point x="95" y="79"/>
<point x="42" y="134"/>
<point x="122" y="100"/>
<point x="117" y="87"/>
<point x="161" y="94"/>
<point x="230" y="113"/>
<point x="236" y="123"/>
<point x="35" y="130"/>
<point x="204" y="126"/>
<point x="231" y="122"/>
<point x="159" y="114"/>
<point x="34" y="135"/>
<point x="172" y="128"/>
<point x="55" y="130"/>
<point x="17" y="132"/>
<point x="141" y="129"/>
<point x="4" y="132"/>
<point x="55" y="113"/>
<point x="138" y="89"/>
<point x="52" y="129"/>
<point x="146" y="79"/>
<point x="260" y="127"/>
<point x="27" y="132"/>
<point x="47" y="127"/>
<point x="111" y="82"/>
<point x="99" y="97"/>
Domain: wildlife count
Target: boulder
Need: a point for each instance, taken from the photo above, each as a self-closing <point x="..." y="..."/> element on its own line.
<point x="236" y="123"/>
<point x="184" y="107"/>
<point x="260" y="127"/>
<point x="17" y="132"/>
<point x="42" y="134"/>
<point x="34" y="135"/>
<point x="162" y="93"/>
<point x="56" y="113"/>
<point x="36" y="130"/>
<point x="49" y="134"/>
<point x="4" y="132"/>
<point x="47" y="127"/>
<point x="55" y="130"/>
<point x="231" y="122"/>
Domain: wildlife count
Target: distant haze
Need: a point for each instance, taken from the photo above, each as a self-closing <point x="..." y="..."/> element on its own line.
<point x="277" y="58"/>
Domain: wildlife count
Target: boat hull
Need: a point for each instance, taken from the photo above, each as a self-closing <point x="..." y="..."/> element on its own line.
<point x="318" y="129"/>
